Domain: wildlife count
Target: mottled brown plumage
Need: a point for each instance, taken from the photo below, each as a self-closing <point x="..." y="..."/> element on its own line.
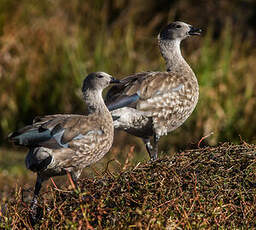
<point x="68" y="143"/>
<point x="155" y="103"/>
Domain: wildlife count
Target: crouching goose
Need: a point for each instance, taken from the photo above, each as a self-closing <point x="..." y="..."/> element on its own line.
<point x="156" y="103"/>
<point x="68" y="143"/>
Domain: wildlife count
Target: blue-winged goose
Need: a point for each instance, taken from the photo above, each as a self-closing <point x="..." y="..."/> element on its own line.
<point x="68" y="143"/>
<point x="156" y="103"/>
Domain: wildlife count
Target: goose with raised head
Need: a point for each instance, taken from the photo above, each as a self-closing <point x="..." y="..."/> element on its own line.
<point x="152" y="104"/>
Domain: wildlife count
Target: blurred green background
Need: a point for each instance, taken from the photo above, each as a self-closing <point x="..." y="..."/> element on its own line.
<point x="48" y="46"/>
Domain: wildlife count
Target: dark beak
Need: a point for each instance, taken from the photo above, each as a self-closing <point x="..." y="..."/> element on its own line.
<point x="195" y="31"/>
<point x="113" y="80"/>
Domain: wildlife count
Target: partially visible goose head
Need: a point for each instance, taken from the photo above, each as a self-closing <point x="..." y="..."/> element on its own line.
<point x="92" y="88"/>
<point x="97" y="81"/>
<point x="178" y="31"/>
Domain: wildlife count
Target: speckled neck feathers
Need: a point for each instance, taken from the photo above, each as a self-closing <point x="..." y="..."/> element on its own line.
<point x="94" y="101"/>
<point x="171" y="52"/>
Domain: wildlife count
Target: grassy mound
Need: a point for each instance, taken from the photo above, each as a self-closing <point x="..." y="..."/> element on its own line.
<point x="202" y="188"/>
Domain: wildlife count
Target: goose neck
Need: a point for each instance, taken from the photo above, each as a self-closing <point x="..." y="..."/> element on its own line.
<point x="171" y="52"/>
<point x="94" y="101"/>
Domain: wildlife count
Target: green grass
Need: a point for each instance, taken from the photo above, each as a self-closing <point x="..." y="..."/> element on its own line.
<point x="12" y="162"/>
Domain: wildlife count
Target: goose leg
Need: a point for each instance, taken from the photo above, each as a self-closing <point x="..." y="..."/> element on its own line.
<point x="38" y="186"/>
<point x="34" y="204"/>
<point x="149" y="147"/>
<point x="155" y="151"/>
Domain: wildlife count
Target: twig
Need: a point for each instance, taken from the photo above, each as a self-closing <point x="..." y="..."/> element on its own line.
<point x="71" y="181"/>
<point x="54" y="183"/>
<point x="204" y="137"/>
<point x="129" y="156"/>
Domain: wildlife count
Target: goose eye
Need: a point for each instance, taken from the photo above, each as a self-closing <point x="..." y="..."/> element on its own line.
<point x="100" y="76"/>
<point x="178" y="26"/>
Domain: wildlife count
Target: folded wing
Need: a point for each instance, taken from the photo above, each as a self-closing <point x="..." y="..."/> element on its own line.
<point x="143" y="90"/>
<point x="55" y="131"/>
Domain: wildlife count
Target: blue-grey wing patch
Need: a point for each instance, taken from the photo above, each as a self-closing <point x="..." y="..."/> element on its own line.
<point x="123" y="101"/>
<point x="58" y="137"/>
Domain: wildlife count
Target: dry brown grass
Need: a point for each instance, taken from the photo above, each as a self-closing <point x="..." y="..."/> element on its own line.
<point x="201" y="188"/>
